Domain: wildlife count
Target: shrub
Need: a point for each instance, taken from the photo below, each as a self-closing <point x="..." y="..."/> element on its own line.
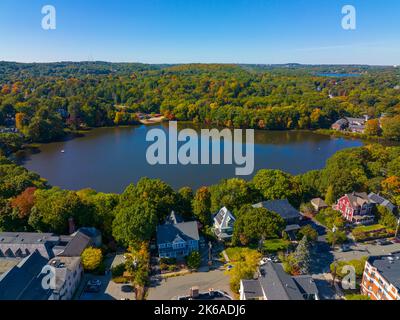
<point x="276" y="245"/>
<point x="118" y="270"/>
<point x="91" y="259"/>
<point x="356" y="297"/>
<point x="194" y="260"/>
<point x="120" y="280"/>
<point x="357" y="264"/>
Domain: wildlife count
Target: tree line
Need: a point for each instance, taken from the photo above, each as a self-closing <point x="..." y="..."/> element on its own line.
<point x="28" y="203"/>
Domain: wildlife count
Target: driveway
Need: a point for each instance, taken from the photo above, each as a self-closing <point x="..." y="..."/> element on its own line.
<point x="180" y="286"/>
<point x="108" y="290"/>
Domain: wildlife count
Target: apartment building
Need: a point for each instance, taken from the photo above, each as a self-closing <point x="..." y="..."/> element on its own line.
<point x="381" y="278"/>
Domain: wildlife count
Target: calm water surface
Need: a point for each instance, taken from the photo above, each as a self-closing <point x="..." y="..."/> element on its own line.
<point x="108" y="159"/>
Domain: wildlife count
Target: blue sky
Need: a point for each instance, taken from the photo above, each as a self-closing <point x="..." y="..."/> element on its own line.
<point x="221" y="31"/>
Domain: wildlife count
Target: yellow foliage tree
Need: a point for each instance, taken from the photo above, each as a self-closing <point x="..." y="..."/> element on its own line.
<point x="91" y="258"/>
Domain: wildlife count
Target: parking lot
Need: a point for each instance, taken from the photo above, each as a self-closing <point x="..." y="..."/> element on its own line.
<point x="108" y="290"/>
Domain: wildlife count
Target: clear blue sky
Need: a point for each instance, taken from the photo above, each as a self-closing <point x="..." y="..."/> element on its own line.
<point x="181" y="31"/>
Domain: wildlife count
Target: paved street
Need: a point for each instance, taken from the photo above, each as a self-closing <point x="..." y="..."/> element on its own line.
<point x="179" y="286"/>
<point x="361" y="250"/>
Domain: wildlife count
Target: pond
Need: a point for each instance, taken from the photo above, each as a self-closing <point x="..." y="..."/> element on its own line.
<point x="109" y="159"/>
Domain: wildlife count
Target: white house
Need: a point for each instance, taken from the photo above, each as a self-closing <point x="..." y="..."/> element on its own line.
<point x="223" y="224"/>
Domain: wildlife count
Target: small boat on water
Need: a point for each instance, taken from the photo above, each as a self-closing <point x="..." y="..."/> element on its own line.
<point x="62" y="151"/>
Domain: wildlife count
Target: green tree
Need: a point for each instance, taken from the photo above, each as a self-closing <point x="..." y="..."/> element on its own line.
<point x="309" y="232"/>
<point x="391" y="127"/>
<point x="201" y="205"/>
<point x="45" y="126"/>
<point x="302" y="256"/>
<point x="153" y="191"/>
<point x="135" y="223"/>
<point x="232" y="193"/>
<point x="185" y="198"/>
<point x="53" y="208"/>
<point x="275" y="185"/>
<point x="330" y="197"/>
<point x="194" y="260"/>
<point x="255" y="224"/>
<point x="386" y="218"/>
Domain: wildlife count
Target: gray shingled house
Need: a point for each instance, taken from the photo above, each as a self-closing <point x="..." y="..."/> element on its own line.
<point x="22" y="244"/>
<point x="177" y="239"/>
<point x="274" y="283"/>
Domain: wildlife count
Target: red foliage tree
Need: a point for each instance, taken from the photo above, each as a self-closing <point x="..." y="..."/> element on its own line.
<point x="24" y="202"/>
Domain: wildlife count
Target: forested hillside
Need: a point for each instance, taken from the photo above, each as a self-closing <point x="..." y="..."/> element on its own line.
<point x="46" y="99"/>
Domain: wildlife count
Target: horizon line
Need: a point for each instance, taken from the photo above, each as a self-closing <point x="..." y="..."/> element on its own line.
<point x="200" y="63"/>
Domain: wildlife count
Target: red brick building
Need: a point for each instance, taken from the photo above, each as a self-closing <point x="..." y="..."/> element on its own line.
<point x="356" y="208"/>
<point x="381" y="278"/>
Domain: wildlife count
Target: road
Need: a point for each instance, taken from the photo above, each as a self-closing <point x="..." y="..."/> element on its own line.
<point x="362" y="250"/>
<point x="180" y="286"/>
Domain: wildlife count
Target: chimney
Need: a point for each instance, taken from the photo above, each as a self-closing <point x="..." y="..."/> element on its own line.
<point x="194" y="292"/>
<point x="71" y="225"/>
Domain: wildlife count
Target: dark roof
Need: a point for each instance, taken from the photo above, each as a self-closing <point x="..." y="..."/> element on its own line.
<point x="26" y="237"/>
<point x="292" y="227"/>
<point x="306" y="285"/>
<point x="23" y="282"/>
<point x="169" y="232"/>
<point x="388" y="267"/>
<point x="173" y="218"/>
<point x="76" y="245"/>
<point x="90" y="231"/>
<point x="252" y="289"/>
<point x="281" y="207"/>
<point x="341" y="122"/>
<point x="277" y="284"/>
<point x="375" y="198"/>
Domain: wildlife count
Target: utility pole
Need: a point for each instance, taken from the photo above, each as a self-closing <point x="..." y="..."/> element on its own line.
<point x="334" y="229"/>
<point x="209" y="253"/>
<point x="397" y="228"/>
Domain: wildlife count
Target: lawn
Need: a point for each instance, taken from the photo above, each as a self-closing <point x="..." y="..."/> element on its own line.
<point x="275" y="245"/>
<point x="371" y="228"/>
<point x="376" y="231"/>
<point x="238" y="253"/>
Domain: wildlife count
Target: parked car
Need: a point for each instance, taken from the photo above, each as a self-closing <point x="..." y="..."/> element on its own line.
<point x="92" y="289"/>
<point x="383" y="242"/>
<point x="94" y="282"/>
<point x="344" y="248"/>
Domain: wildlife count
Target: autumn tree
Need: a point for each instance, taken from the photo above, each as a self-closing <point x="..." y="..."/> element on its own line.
<point x="91" y="259"/>
<point x="24" y="202"/>
<point x="372" y="127"/>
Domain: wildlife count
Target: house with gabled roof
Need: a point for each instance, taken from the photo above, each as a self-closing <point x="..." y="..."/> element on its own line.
<point x="223" y="224"/>
<point x="177" y="239"/>
<point x="273" y="283"/>
<point x="381" y="201"/>
<point x="283" y="208"/>
<point x="356" y="208"/>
